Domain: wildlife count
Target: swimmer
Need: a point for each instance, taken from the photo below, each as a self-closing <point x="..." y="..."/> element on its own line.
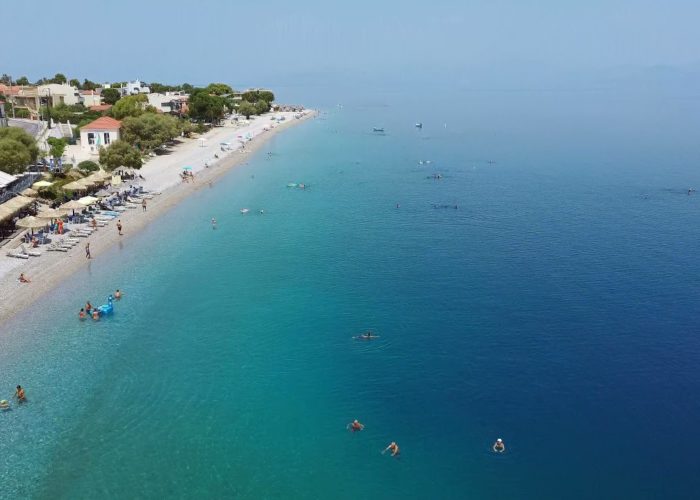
<point x="498" y="446"/>
<point x="19" y="394"/>
<point x="393" y="447"/>
<point x="81" y="314"/>
<point x="398" y="206"/>
<point x="368" y="335"/>
<point x="88" y="307"/>
<point x="355" y="426"/>
<point x="213" y="223"/>
<point x="117" y="294"/>
<point x="4" y="405"/>
<point x="96" y="315"/>
<point x="262" y="211"/>
<point x="23" y="278"/>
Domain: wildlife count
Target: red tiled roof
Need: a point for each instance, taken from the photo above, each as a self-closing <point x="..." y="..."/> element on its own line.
<point x="100" y="107"/>
<point x="103" y="123"/>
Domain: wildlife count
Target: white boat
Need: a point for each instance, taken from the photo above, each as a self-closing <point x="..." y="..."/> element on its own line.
<point x="244" y="211"/>
<point x="419" y="125"/>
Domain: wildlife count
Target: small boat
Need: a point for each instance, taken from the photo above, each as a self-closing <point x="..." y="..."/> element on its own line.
<point x="419" y="125"/>
<point x="378" y="129"/>
<point x="244" y="211"/>
<point x="292" y="185"/>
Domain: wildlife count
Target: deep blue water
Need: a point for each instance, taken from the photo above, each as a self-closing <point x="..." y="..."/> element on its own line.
<point x="555" y="307"/>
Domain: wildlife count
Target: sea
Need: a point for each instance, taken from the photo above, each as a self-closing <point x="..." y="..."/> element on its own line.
<point x="528" y="259"/>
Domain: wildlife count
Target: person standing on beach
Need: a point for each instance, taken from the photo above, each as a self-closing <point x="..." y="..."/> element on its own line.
<point x="119" y="226"/>
<point x="87" y="251"/>
<point x="143" y="204"/>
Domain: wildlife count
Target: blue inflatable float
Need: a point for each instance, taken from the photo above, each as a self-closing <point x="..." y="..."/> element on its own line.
<point x="107" y="308"/>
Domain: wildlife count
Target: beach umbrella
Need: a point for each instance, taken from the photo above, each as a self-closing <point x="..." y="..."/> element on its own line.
<point x="72" y="205"/>
<point x="75" y="186"/>
<point x="187" y="168"/>
<point x="42" y="184"/>
<point x="88" y="200"/>
<point x="51" y="213"/>
<point x="30" y="222"/>
<point x="30" y="192"/>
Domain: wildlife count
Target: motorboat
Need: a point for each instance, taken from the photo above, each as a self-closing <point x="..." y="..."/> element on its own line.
<point x="419" y="125"/>
<point x="244" y="211"/>
<point x="378" y="129"/>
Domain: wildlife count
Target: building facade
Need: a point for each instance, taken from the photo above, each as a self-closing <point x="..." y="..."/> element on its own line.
<point x="99" y="133"/>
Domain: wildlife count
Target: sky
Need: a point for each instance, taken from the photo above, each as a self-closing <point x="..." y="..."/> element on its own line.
<point x="302" y="40"/>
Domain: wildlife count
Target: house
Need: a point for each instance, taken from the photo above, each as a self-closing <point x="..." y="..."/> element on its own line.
<point x="174" y="103"/>
<point x="24" y="100"/>
<point x="101" y="108"/>
<point x="89" y="98"/>
<point x="135" y="87"/>
<point x="101" y="132"/>
<point x="59" y="93"/>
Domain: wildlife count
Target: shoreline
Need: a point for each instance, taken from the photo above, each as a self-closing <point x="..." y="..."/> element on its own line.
<point x="52" y="268"/>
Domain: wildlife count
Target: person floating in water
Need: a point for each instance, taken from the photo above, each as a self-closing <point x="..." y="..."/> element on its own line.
<point x="355" y="426"/>
<point x="498" y="446"/>
<point x="81" y="314"/>
<point x="393" y="447"/>
<point x="96" y="315"/>
<point x="88" y="307"/>
<point x="19" y="394"/>
<point x="368" y="335"/>
<point x="117" y="294"/>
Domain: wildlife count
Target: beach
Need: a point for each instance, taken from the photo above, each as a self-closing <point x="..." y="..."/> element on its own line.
<point x="161" y="175"/>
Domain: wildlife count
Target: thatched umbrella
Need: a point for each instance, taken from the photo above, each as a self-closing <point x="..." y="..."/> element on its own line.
<point x="31" y="222"/>
<point x="42" y="184"/>
<point x="51" y="213"/>
<point x="30" y="192"/>
<point x="72" y="205"/>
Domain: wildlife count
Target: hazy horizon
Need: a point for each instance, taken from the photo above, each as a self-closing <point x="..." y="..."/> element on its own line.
<point x="481" y="45"/>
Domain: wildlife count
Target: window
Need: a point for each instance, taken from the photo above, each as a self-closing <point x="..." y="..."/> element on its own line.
<point x="106" y="138"/>
<point x="91" y="138"/>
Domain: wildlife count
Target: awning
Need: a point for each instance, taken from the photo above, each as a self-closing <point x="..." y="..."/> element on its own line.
<point x="11" y="207"/>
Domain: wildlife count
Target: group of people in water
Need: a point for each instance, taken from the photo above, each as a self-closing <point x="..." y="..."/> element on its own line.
<point x="19" y="395"/>
<point x="89" y="311"/>
<point x="355" y="425"/>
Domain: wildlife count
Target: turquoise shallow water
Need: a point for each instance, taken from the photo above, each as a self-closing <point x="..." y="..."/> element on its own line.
<point x="555" y="307"/>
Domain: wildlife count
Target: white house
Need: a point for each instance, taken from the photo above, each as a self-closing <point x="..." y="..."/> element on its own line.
<point x="135" y="87"/>
<point x="102" y="132"/>
<point x="170" y="102"/>
<point x="59" y="93"/>
<point x="90" y="98"/>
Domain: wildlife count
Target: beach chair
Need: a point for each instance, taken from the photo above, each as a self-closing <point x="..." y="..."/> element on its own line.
<point x="56" y="247"/>
<point x="17" y="253"/>
<point x="30" y="252"/>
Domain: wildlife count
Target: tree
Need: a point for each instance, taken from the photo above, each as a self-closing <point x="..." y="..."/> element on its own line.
<point x="110" y="95"/>
<point x="74" y="82"/>
<point x="266" y="95"/>
<point x="262" y="107"/>
<point x="186" y="87"/>
<point x="58" y="146"/>
<point x="246" y="109"/>
<point x="120" y="154"/>
<point x="59" y="78"/>
<point x="88" y="166"/>
<point x="149" y="131"/>
<point x="131" y="105"/>
<point x="205" y="107"/>
<point x="6" y="79"/>
<point x="88" y="85"/>
<point x="19" y="135"/>
<point x="218" y="89"/>
<point x="14" y="156"/>
<point x="22" y="80"/>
